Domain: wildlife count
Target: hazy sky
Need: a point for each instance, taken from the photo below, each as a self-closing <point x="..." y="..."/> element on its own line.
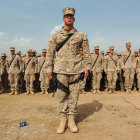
<point x="28" y="23"/>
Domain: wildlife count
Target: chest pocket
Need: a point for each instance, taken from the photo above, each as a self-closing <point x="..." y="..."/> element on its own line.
<point x="76" y="45"/>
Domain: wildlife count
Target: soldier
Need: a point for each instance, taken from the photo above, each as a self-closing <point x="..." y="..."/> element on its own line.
<point x="111" y="69"/>
<point x="41" y="70"/>
<point x="69" y="67"/>
<point x="30" y="69"/>
<point x="3" y="73"/>
<point x="34" y="53"/>
<point x="97" y="69"/>
<point x="106" y="82"/>
<point x="102" y="53"/>
<point x="19" y="53"/>
<point x="120" y="74"/>
<point x="129" y="62"/>
<point x="14" y="70"/>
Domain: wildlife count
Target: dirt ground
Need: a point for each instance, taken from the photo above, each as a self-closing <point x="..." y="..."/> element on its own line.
<point x="100" y="117"/>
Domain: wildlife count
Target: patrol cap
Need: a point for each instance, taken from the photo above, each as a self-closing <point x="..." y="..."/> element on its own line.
<point x="3" y="54"/>
<point x="68" y="10"/>
<point x="33" y="51"/>
<point x="39" y="55"/>
<point x="102" y="51"/>
<point x="18" y="52"/>
<point x="135" y="51"/>
<point x="119" y="54"/>
<point x="107" y="51"/>
<point x="96" y="47"/>
<point x="44" y="50"/>
<point x="12" y="48"/>
<point x="111" y="48"/>
<point x="128" y="44"/>
<point x="29" y="50"/>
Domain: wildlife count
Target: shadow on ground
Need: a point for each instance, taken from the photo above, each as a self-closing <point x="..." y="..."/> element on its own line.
<point x="87" y="109"/>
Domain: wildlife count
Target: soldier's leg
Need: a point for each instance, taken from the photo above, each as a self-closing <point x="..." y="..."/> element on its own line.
<point x="114" y="80"/>
<point x="62" y="103"/>
<point x="2" y="83"/>
<point x="27" y="79"/>
<point x="109" y="79"/>
<point x="99" y="77"/>
<point x="131" y="81"/>
<point x="127" y="79"/>
<point x="42" y="83"/>
<point x="94" y="81"/>
<point x="32" y="79"/>
<point x="138" y="78"/>
<point x="12" y="83"/>
<point x="47" y="81"/>
<point x="72" y="102"/>
<point x="16" y="77"/>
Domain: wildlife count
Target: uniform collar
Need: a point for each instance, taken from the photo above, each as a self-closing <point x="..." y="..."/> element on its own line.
<point x="63" y="31"/>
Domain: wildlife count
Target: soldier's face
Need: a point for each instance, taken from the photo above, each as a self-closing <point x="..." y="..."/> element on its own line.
<point x="44" y="54"/>
<point x="3" y="57"/>
<point x="12" y="52"/>
<point x="128" y="47"/>
<point x="111" y="51"/>
<point x="68" y="19"/>
<point x="96" y="51"/>
<point x="29" y="53"/>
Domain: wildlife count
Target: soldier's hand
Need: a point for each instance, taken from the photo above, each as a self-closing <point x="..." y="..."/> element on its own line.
<point x="118" y="71"/>
<point x="86" y="73"/>
<point x="134" y="69"/>
<point x="49" y="75"/>
<point x="106" y="73"/>
<point x="123" y="69"/>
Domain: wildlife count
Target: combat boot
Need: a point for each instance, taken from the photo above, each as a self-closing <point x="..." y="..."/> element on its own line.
<point x="43" y="92"/>
<point x="106" y="89"/>
<point x="98" y="91"/>
<point x="94" y="91"/>
<point x="130" y="91"/>
<point x="28" y="92"/>
<point x="12" y="93"/>
<point x="127" y="91"/>
<point x="46" y="92"/>
<point x="114" y="91"/>
<point x="32" y="92"/>
<point x="110" y="91"/>
<point x="16" y="92"/>
<point x="72" y="124"/>
<point x="63" y="124"/>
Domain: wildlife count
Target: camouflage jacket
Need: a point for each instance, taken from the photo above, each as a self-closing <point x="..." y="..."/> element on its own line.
<point x="111" y="63"/>
<point x="68" y="60"/>
<point x="138" y="64"/>
<point x="98" y="65"/>
<point x="14" y="64"/>
<point x="30" y="65"/>
<point x="3" y="67"/>
<point x="131" y="61"/>
<point x="41" y="64"/>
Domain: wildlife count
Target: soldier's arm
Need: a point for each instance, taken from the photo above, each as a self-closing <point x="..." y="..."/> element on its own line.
<point x="50" y="54"/>
<point x="36" y="65"/>
<point x="86" y="54"/>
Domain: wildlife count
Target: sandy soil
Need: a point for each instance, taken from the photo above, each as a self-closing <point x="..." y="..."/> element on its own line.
<point x="100" y="117"/>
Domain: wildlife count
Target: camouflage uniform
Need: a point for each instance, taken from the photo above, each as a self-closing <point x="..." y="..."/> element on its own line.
<point x="138" y="71"/>
<point x="41" y="70"/>
<point x="97" y="68"/>
<point x="14" y="69"/>
<point x="111" y="66"/>
<point x="68" y="65"/>
<point x="3" y="73"/>
<point x="129" y="65"/>
<point x="30" y="69"/>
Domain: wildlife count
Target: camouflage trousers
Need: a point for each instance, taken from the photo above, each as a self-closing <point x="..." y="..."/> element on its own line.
<point x="138" y="78"/>
<point x="112" y="78"/>
<point x="13" y="78"/>
<point x="129" y="78"/>
<point x="97" y="76"/>
<point x="44" y="82"/>
<point x="29" y="78"/>
<point x="67" y="103"/>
